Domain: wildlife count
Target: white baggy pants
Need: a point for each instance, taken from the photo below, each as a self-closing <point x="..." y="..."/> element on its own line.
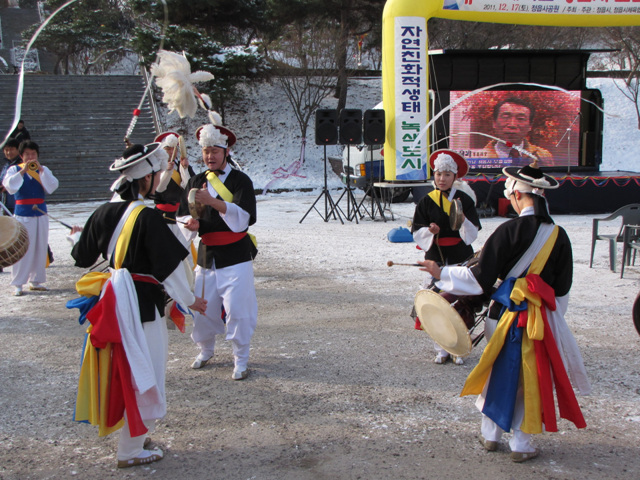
<point x="232" y="288"/>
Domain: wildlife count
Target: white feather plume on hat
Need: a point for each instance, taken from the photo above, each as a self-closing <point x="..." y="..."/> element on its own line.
<point x="210" y="136"/>
<point x="174" y="77"/>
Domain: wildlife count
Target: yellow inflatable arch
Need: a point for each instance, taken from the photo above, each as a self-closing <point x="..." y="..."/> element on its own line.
<point x="405" y="67"/>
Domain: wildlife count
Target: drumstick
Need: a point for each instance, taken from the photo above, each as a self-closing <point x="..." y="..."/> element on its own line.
<point x="35" y="207"/>
<point x="6" y="210"/>
<point x="174" y="220"/>
<point x="391" y="264"/>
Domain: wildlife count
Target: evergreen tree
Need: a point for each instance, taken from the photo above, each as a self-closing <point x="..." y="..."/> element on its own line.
<point x="87" y="34"/>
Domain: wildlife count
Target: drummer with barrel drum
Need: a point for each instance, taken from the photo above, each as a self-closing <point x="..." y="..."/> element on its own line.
<point x="530" y="351"/>
<point x="446" y="223"/>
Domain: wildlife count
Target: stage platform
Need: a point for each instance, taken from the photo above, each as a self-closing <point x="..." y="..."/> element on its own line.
<point x="584" y="192"/>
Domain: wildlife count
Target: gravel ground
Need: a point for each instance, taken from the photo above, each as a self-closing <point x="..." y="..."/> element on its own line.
<point x="341" y="385"/>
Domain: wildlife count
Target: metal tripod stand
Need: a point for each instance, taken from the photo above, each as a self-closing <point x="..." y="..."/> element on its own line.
<point x="335" y="210"/>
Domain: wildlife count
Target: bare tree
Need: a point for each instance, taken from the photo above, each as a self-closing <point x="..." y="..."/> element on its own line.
<point x="454" y="34"/>
<point x="626" y="59"/>
<point x="305" y="67"/>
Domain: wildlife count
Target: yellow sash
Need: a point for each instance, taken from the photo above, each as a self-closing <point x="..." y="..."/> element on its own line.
<point x="91" y="402"/>
<point x="226" y="195"/>
<point x="175" y="176"/>
<point x="476" y="380"/>
<point x="91" y="283"/>
<point x="439" y="198"/>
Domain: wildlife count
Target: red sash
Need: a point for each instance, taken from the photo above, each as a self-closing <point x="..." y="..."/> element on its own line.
<point x="221" y="238"/>
<point x="448" y="241"/>
<point x="143" y="278"/>
<point x="168" y="207"/>
<point x="30" y="201"/>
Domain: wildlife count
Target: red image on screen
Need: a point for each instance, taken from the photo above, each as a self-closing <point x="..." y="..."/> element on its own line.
<point x="495" y="129"/>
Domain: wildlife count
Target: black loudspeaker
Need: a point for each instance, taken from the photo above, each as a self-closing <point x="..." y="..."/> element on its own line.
<point x="350" y="126"/>
<point x="326" y="127"/>
<point x="374" y="127"/>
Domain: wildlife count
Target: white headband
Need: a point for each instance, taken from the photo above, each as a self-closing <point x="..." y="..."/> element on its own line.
<point x="445" y="163"/>
<point x="511" y="185"/>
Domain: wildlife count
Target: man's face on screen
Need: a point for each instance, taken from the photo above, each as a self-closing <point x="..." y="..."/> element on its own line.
<point x="513" y="123"/>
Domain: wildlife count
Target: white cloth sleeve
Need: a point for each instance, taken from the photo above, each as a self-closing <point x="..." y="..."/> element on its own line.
<point x="458" y="281"/>
<point x="236" y="218"/>
<point x="189" y="235"/>
<point x="165" y="178"/>
<point x="12" y="180"/>
<point x="177" y="287"/>
<point x="468" y="232"/>
<point x="74" y="238"/>
<point x="424" y="238"/>
<point x="49" y="182"/>
<point x="184" y="176"/>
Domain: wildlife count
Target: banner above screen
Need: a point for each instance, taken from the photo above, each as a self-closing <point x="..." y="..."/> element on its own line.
<point x="546" y="7"/>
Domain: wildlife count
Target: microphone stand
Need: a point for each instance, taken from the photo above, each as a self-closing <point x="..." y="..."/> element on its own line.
<point x="567" y="134"/>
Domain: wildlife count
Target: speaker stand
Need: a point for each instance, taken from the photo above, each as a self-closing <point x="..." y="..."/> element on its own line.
<point x="335" y="210"/>
<point x="373" y="193"/>
<point x="353" y="209"/>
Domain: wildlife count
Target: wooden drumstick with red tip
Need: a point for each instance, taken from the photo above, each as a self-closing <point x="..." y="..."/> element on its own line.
<point x="391" y="264"/>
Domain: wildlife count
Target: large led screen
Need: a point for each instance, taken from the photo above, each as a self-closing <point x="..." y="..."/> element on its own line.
<point x="493" y="129"/>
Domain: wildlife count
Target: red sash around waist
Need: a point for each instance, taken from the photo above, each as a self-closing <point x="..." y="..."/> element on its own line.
<point x="30" y="201"/>
<point x="144" y="278"/>
<point x="449" y="241"/>
<point x="168" y="207"/>
<point x="221" y="238"/>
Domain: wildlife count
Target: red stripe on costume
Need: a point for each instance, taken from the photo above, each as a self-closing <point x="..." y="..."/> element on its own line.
<point x="121" y="394"/>
<point x="30" y="201"/>
<point x="168" y="207"/>
<point x="221" y="238"/>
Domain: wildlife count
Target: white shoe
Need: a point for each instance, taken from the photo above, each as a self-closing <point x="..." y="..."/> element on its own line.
<point x="457" y="360"/>
<point x="440" y="359"/>
<point x="240" y="373"/>
<point x="199" y="362"/>
<point x="17" y="292"/>
<point x="146" y="457"/>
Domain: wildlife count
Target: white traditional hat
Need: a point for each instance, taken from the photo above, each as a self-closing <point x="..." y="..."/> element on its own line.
<point x="448" y="160"/>
<point x="214" y="134"/>
<point x="167" y="139"/>
<point x="527" y="179"/>
<point x="138" y="161"/>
